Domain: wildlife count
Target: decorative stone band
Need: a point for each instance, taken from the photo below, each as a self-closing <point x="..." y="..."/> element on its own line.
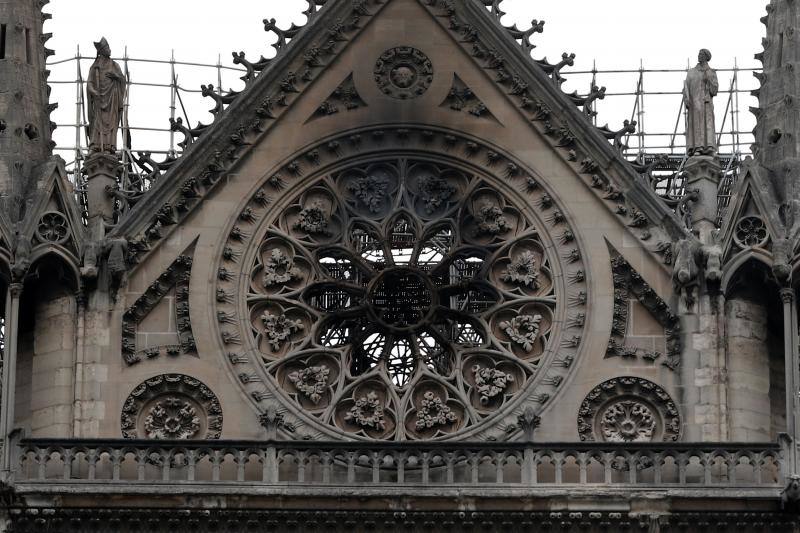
<point x="201" y="521"/>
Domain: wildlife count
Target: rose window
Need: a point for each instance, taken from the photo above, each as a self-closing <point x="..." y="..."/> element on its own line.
<point x="751" y="231"/>
<point x="402" y="299"/>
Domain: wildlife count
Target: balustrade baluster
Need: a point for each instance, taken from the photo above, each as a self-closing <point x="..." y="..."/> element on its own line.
<point x="528" y="467"/>
<point x="271" y="460"/>
<point x="558" y="463"/>
<point x="326" y="466"/>
<point x="757" y="468"/>
<point x="114" y="455"/>
<point x="351" y="468"/>
<point x="302" y="461"/>
<point x="633" y="468"/>
<point x="216" y="465"/>
<point x="240" y="464"/>
<point x="682" y="464"/>
<point x="582" y="464"/>
<point x="451" y="466"/>
<point x="141" y="463"/>
<point x="264" y="466"/>
<point x="66" y="457"/>
<point x="400" y="465"/>
<point x="474" y="461"/>
<point x="166" y="464"/>
<point x="658" y="466"/>
<point x="42" y="464"/>
<point x="191" y="471"/>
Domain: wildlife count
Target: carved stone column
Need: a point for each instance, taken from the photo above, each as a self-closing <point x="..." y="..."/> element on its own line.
<point x="702" y="176"/>
<point x="9" y="376"/>
<point x="792" y="361"/>
<point x="102" y="171"/>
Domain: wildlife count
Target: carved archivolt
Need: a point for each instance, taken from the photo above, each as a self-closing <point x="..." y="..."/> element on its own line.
<point x="176" y="276"/>
<point x="172" y="407"/>
<point x="628" y="409"/>
<point x="409" y="296"/>
<point x="629" y="283"/>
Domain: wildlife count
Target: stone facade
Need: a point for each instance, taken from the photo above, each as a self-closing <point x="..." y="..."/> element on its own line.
<point x="390" y="295"/>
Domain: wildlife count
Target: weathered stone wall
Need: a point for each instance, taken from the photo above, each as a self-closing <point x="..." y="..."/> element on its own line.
<point x="748" y="370"/>
<point x="52" y="374"/>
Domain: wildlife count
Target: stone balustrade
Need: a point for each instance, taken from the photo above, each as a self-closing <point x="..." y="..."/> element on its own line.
<point x="374" y="465"/>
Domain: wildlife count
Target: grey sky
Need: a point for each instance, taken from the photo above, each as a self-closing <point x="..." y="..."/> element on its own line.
<point x="614" y="33"/>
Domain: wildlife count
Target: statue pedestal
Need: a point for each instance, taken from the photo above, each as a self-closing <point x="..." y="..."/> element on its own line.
<point x="703" y="175"/>
<point x="101" y="171"/>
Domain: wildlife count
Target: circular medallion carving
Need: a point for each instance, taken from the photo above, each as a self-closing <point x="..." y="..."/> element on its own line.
<point x="628" y="409"/>
<point x="409" y="296"/>
<point x="52" y="227"/>
<point x="172" y="407"/>
<point x="751" y="232"/>
<point x="404" y="73"/>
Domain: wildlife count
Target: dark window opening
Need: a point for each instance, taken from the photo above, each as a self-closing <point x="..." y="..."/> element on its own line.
<point x="2" y="41"/>
<point x="28" y="45"/>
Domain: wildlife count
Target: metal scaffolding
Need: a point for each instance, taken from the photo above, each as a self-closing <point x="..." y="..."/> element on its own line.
<point x="652" y="97"/>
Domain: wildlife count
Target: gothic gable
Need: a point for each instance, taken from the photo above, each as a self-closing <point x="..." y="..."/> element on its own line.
<point x="751" y="223"/>
<point x="307" y="64"/>
<point x="53" y="220"/>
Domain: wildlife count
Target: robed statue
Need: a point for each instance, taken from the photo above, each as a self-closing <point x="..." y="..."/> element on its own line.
<point x="699" y="91"/>
<point x="106" y="89"/>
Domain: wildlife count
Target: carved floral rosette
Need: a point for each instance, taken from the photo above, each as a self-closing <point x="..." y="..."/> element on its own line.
<point x="628" y="409"/>
<point x="172" y="407"/>
<point x="409" y="296"/>
<point x="403" y="73"/>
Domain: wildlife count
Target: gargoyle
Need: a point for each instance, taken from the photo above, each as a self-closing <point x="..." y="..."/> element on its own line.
<point x="687" y="255"/>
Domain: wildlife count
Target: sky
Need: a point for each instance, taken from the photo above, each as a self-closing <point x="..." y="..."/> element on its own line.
<point x="609" y="34"/>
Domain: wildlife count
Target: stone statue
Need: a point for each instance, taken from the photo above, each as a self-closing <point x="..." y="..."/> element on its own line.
<point x="699" y="91"/>
<point x="106" y="90"/>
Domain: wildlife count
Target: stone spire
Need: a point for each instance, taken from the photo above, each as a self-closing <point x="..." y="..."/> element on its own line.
<point x="777" y="133"/>
<point x="25" y="127"/>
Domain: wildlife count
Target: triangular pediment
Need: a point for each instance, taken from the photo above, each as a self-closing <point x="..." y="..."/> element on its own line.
<point x="751" y="220"/>
<point x="346" y="69"/>
<point x="54" y="219"/>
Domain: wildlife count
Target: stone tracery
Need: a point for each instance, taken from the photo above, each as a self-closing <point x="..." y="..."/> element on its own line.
<point x="403" y="298"/>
